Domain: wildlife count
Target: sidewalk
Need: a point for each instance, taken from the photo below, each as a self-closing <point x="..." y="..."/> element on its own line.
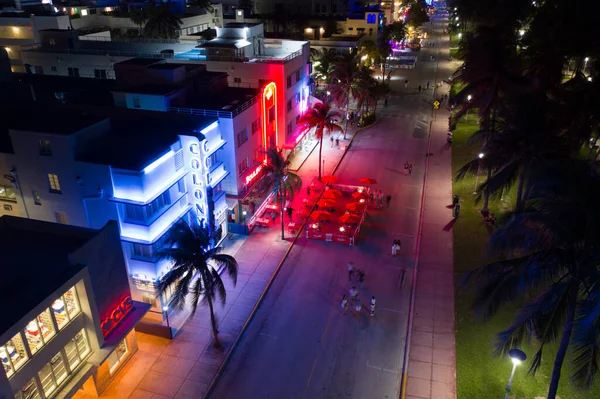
<point x="184" y="367"/>
<point x="432" y="360"/>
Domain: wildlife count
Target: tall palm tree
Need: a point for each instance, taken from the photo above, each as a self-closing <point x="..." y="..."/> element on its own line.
<point x="189" y="248"/>
<point x="203" y="5"/>
<point x="162" y="23"/>
<point x="556" y="268"/>
<point x="285" y="183"/>
<point x="320" y="117"/>
<point x="324" y="62"/>
<point x="138" y="16"/>
<point x="345" y="84"/>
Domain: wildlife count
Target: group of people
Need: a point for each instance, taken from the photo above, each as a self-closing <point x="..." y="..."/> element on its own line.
<point x="376" y="197"/>
<point x="408" y="169"/>
<point x="354" y="301"/>
<point x="396" y="246"/>
<point x="337" y="141"/>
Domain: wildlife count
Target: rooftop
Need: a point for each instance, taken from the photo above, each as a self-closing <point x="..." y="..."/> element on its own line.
<point x="158" y="89"/>
<point x="240" y="25"/>
<point x="225" y="43"/>
<point x="227" y="99"/>
<point x="166" y="66"/>
<point x="38" y="120"/>
<point x="140" y="61"/>
<point x="35" y="253"/>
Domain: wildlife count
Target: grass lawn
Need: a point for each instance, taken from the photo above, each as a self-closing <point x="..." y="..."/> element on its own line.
<point x="453" y="52"/>
<point x="480" y="375"/>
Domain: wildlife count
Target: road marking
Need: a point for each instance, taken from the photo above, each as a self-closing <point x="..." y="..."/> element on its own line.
<point x="311" y="373"/>
<point x="381" y="368"/>
<point x="326" y="329"/>
<point x="274" y="337"/>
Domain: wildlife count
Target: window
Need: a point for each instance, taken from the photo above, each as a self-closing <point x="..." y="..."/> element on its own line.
<point x="243" y="166"/>
<point x="334" y="8"/>
<point x="39" y="331"/>
<point x="29" y="391"/>
<point x="52" y="42"/>
<point x="271" y="114"/>
<point x="136" y="102"/>
<point x="74" y="72"/>
<point x="237" y="80"/>
<point x="145" y="213"/>
<point x="53" y="374"/>
<point x="117" y="356"/>
<point x="100" y="73"/>
<point x="54" y="183"/>
<point x="65" y="308"/>
<point x="61" y="217"/>
<point x="148" y="251"/>
<point x="289" y="81"/>
<point x="39" y="70"/>
<point x="37" y="200"/>
<point x="289" y="105"/>
<point x="181" y="186"/>
<point x="92" y="11"/>
<point x="53" y="69"/>
<point x="7" y="207"/>
<point x="76" y="350"/>
<point x="297" y="98"/>
<point x="256" y="126"/>
<point x="8" y="193"/>
<point x="178" y="158"/>
<point x="242" y="136"/>
<point x="263" y="82"/>
<point x="317" y="7"/>
<point x="323" y="8"/>
<point x="13" y="355"/>
<point x="290" y="129"/>
<point x="371" y="19"/>
<point x="45" y="148"/>
<point x="298" y="75"/>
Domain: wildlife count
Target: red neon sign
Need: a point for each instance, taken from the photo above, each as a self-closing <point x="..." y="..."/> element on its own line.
<point x="109" y="324"/>
<point x="252" y="175"/>
<point x="269" y="101"/>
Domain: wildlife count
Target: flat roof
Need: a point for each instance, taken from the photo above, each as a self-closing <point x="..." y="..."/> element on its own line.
<point x="162" y="90"/>
<point x="140" y="61"/>
<point x="225" y="43"/>
<point x="137" y="138"/>
<point x="45" y="120"/>
<point x="241" y="24"/>
<point x="172" y="65"/>
<point x="227" y="99"/>
<point x="35" y="262"/>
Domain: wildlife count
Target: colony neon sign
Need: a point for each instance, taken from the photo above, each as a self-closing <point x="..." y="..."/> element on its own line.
<point x="269" y="100"/>
<point x="253" y="175"/>
<point x="109" y="324"/>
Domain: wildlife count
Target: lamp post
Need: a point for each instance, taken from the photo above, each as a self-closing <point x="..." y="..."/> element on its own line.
<point x="481" y="155"/>
<point x="517" y="356"/>
<point x="166" y="310"/>
<point x="469" y="97"/>
<point x="585" y="61"/>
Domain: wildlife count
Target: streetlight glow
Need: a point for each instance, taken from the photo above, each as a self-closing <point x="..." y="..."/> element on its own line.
<point x="456" y="19"/>
<point x="328" y="93"/>
<point x="517" y="356"/>
<point x="469" y="97"/>
<point x="460" y="35"/>
<point x="165" y="308"/>
<point x="481" y="155"/>
<point x="587" y="59"/>
<point x="521" y="32"/>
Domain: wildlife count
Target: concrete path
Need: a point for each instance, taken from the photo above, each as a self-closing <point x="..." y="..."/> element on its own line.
<point x="432" y="359"/>
<point x="184" y="367"/>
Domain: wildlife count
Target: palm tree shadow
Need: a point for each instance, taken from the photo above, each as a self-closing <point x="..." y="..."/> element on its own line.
<point x="450" y="225"/>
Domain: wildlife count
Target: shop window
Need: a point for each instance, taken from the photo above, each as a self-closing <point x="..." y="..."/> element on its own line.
<point x="8" y="193"/>
<point x="39" y="331"/>
<point x="45" y="147"/>
<point x="117" y="356"/>
<point x="53" y="374"/>
<point x="66" y="308"/>
<point x="13" y="355"/>
<point x="54" y="183"/>
<point x="76" y="350"/>
<point x="29" y="391"/>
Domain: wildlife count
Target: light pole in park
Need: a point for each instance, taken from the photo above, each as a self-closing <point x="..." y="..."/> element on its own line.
<point x="469" y="97"/>
<point x="166" y="310"/>
<point x="517" y="356"/>
<point x="481" y="155"/>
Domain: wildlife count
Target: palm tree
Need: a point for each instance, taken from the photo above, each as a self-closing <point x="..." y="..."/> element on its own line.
<point x="162" y="23"/>
<point x="285" y="183"/>
<point x="189" y="248"/>
<point x="320" y="117"/>
<point x="138" y="16"/>
<point x="203" y="5"/>
<point x="323" y="63"/>
<point x="557" y="269"/>
<point x="345" y="84"/>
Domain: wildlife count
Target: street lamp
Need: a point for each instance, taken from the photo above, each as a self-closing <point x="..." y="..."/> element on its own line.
<point x="460" y="35"/>
<point x="481" y="155"/>
<point x="585" y="62"/>
<point x="469" y="97"/>
<point x="166" y="310"/>
<point x="517" y="356"/>
<point x="521" y="32"/>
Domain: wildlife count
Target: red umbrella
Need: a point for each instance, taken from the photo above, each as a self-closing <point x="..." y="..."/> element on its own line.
<point x="359" y="196"/>
<point x="368" y="180"/>
<point x="355" y="207"/>
<point x="329" y="179"/>
<point x="332" y="194"/>
<point x="320" y="215"/>
<point x="326" y="203"/>
<point x="350" y="219"/>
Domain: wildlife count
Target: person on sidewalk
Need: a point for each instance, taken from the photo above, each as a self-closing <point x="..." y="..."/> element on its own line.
<point x="350" y="270"/>
<point x="388" y="199"/>
<point x="290" y="211"/>
<point x="337" y="142"/>
<point x="331" y="141"/>
<point x="373" y="306"/>
<point x="357" y="306"/>
<point x="344" y="304"/>
<point x="406" y="168"/>
<point x="398" y="245"/>
<point x="420" y="88"/>
<point x="427" y="85"/>
<point x="394" y="248"/>
<point x="353" y="294"/>
<point x="361" y="276"/>
<point x="406" y="83"/>
<point x="410" y="169"/>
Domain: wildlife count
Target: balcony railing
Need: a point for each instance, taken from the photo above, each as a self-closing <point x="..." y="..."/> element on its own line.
<point x="217" y="113"/>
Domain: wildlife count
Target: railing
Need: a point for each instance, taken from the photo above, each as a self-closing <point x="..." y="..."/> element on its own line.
<point x="217" y="113"/>
<point x="273" y="60"/>
<point x="116" y="53"/>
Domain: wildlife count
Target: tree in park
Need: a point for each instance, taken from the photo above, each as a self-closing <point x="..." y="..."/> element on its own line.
<point x="162" y="23"/>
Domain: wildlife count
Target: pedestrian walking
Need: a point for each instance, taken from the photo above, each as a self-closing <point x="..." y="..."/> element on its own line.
<point x="357" y="306"/>
<point x="350" y="270"/>
<point x="406" y="83"/>
<point x="308" y="190"/>
<point x="331" y="141"/>
<point x="344" y="304"/>
<point x="385" y="102"/>
<point x="388" y="199"/>
<point x="353" y="294"/>
<point x="290" y="211"/>
<point x="361" y="276"/>
<point x="420" y="88"/>
<point x="373" y="306"/>
<point x="337" y="142"/>
<point x="398" y="245"/>
<point x="427" y="85"/>
<point x="394" y="248"/>
<point x="406" y="169"/>
<point x="410" y="169"/>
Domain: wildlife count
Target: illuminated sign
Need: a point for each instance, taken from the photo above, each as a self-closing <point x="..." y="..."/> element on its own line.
<point x="269" y="101"/>
<point x="252" y="175"/>
<point x="109" y="324"/>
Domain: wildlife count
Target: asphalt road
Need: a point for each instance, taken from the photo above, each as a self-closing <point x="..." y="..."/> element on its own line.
<point x="300" y="344"/>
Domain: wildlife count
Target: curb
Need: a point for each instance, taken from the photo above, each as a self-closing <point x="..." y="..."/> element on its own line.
<point x="216" y="378"/>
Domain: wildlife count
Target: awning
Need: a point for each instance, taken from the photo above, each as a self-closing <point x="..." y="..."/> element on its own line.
<point x="293" y="141"/>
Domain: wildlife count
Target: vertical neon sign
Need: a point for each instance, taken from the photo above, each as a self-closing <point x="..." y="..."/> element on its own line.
<point x="269" y="101"/>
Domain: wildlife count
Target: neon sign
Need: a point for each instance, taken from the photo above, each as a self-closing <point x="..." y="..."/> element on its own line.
<point x="253" y="175"/>
<point x="109" y="324"/>
<point x="269" y="101"/>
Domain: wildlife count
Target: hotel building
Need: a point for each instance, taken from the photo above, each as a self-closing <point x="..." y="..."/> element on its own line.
<point x="73" y="327"/>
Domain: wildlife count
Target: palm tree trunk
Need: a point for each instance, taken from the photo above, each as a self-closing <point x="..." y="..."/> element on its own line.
<point x="320" y="151"/>
<point x="564" y="342"/>
<point x="213" y="322"/>
<point x="486" y="193"/>
<point x="347" y="109"/>
<point x="281" y="204"/>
